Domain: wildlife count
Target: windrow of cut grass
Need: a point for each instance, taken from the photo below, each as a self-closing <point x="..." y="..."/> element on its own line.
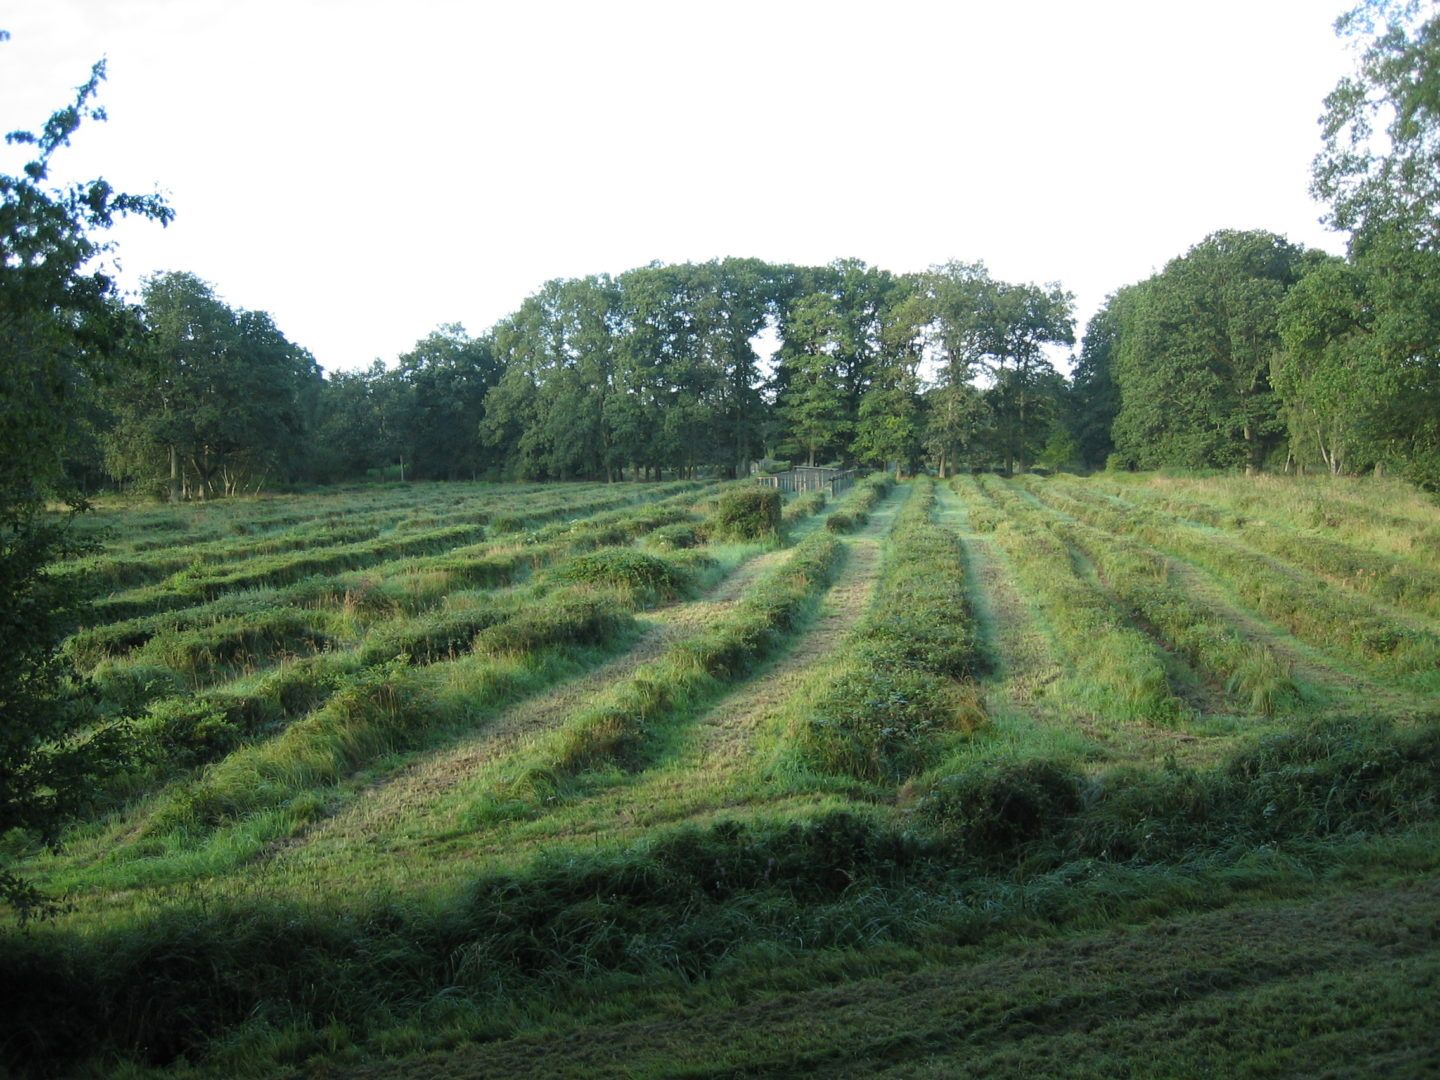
<point x="618" y="730"/>
<point x="193" y="729"/>
<point x="402" y="586"/>
<point x="1370" y="514"/>
<point x="803" y="506"/>
<point x="193" y="586"/>
<point x="124" y="565"/>
<point x="1391" y="579"/>
<point x="898" y="691"/>
<point x="1003" y="855"/>
<point x="393" y="707"/>
<point x="1255" y="677"/>
<point x="1113" y="670"/>
<point x="854" y="508"/>
<point x="126" y="525"/>
<point x="1349" y="628"/>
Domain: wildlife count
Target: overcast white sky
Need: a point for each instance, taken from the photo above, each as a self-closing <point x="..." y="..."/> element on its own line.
<point x="365" y="171"/>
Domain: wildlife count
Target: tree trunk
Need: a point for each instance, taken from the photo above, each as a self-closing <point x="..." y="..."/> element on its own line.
<point x="174" y="475"/>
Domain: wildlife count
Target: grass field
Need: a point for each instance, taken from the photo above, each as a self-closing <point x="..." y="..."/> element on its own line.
<point x="1118" y="776"/>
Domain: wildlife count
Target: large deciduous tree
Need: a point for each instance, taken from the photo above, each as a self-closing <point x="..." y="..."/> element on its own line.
<point x="1192" y="355"/>
<point x="61" y="329"/>
<point x="1380" y="172"/>
<point x="219" y="405"/>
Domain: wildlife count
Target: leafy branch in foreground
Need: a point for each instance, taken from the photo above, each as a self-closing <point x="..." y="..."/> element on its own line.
<point x="60" y="326"/>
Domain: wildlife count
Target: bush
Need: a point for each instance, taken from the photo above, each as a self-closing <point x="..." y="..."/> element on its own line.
<point x="748" y="513"/>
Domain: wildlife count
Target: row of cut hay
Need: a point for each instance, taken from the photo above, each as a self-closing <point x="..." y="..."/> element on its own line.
<point x="1314" y="613"/>
<point x="1394" y="580"/>
<point x="124" y="565"/>
<point x="132" y="528"/>
<point x="618" y="730"/>
<point x="388" y="589"/>
<point x="393" y="707"/>
<point x="193" y="729"/>
<point x="902" y="684"/>
<point x="171" y="657"/>
<point x="1113" y="670"/>
<point x="189" y="587"/>
<point x="1366" y="513"/>
<point x="854" y="509"/>
<point x="803" y="506"/>
<point x="1140" y="577"/>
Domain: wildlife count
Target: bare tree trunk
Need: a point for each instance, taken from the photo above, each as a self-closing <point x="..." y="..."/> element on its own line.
<point x="174" y="475"/>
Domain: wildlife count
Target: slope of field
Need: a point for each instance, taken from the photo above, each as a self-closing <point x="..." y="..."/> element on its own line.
<point x="1003" y="777"/>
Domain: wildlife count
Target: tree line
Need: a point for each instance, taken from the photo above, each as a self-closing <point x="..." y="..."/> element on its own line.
<point x="661" y="371"/>
<point x="1247" y="351"/>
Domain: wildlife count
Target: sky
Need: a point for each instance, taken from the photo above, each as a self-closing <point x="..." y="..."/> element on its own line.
<point x="367" y="171"/>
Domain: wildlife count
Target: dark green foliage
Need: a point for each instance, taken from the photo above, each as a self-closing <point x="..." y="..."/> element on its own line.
<point x="61" y="326"/>
<point x="1191" y="354"/>
<point x="747" y="513"/>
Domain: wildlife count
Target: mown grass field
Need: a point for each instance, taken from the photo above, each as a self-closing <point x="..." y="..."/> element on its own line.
<point x="1116" y="776"/>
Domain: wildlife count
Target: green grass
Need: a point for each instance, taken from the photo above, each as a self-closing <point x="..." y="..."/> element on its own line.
<point x="1004" y="778"/>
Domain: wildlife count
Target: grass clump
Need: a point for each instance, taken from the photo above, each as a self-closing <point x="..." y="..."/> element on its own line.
<point x="625" y="568"/>
<point x="747" y="513"/>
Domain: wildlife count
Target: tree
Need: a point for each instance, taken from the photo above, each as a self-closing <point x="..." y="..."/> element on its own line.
<point x="956" y="417"/>
<point x="1327" y="375"/>
<point x="1192" y="355"/>
<point x="1094" y="396"/>
<point x="218" y="406"/>
<point x="1378" y="169"/>
<point x="61" y="329"/>
<point x="812" y="403"/>
<point x="450" y="373"/>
